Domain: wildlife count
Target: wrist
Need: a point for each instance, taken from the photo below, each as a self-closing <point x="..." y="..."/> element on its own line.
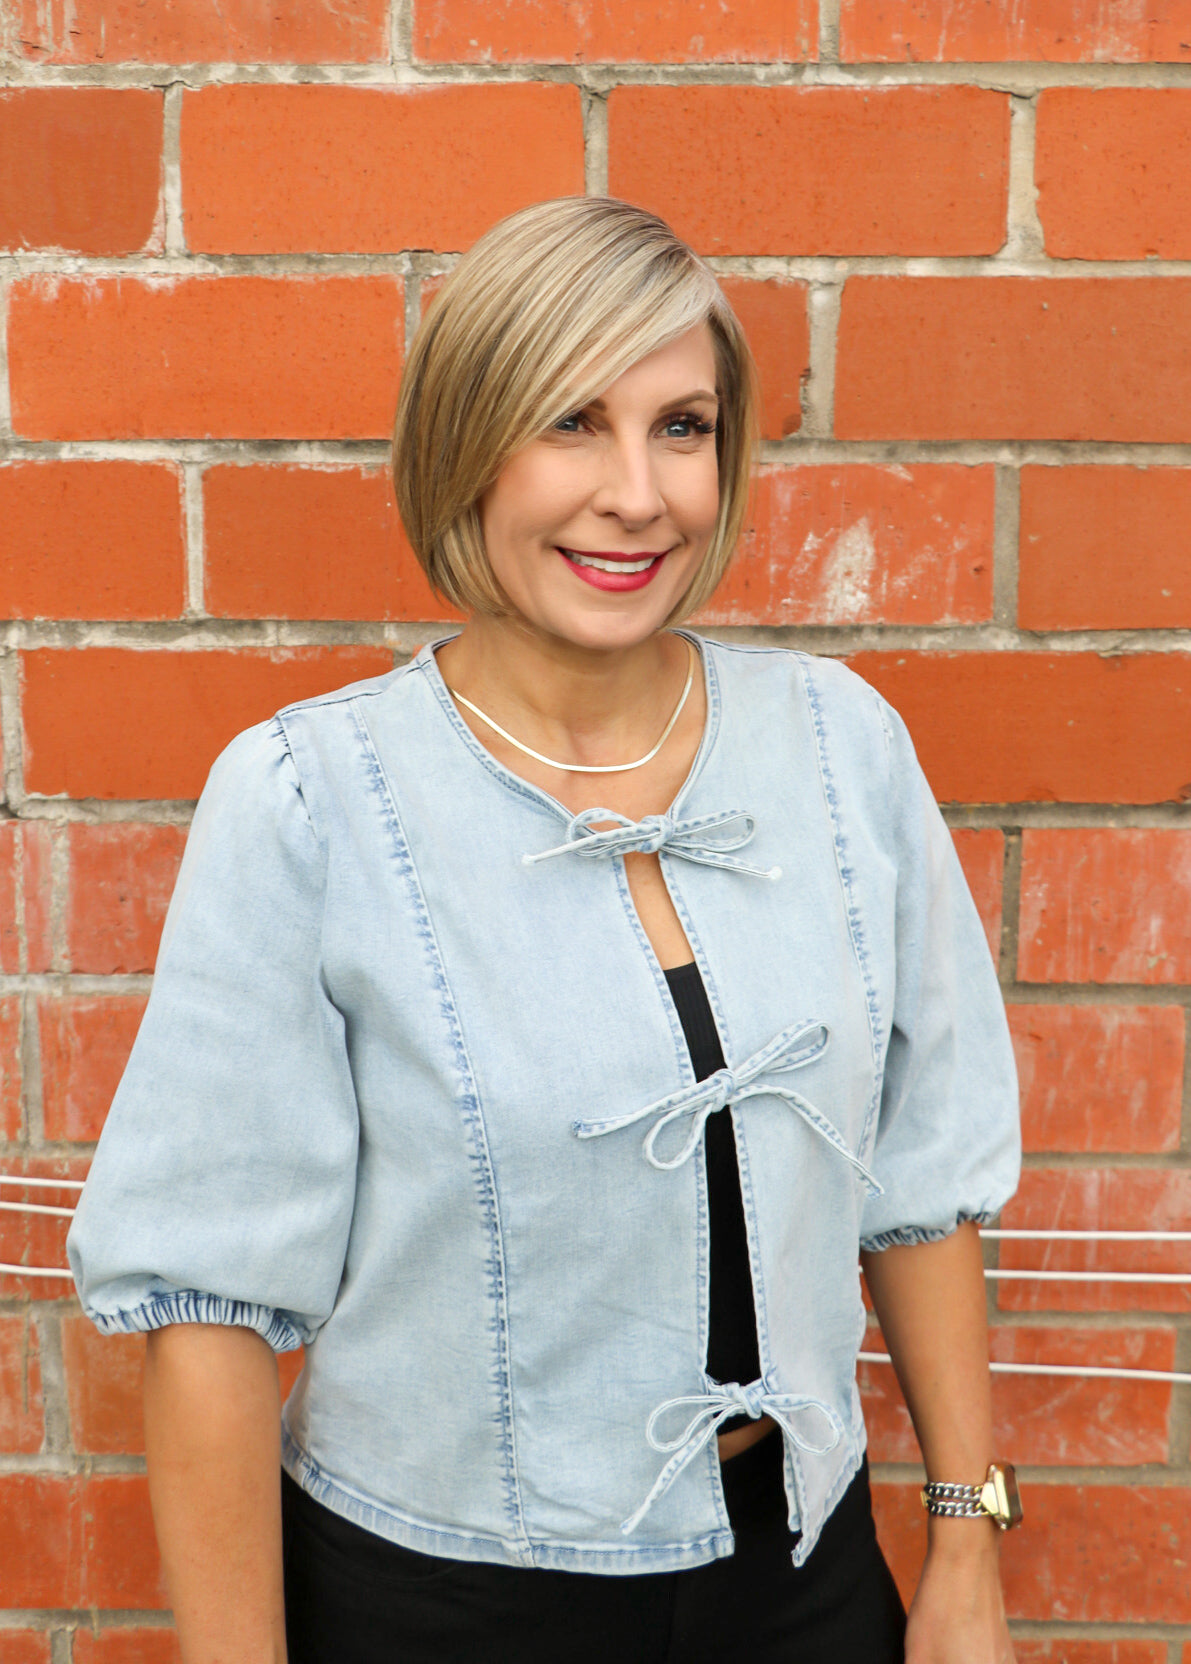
<point x="967" y="1540"/>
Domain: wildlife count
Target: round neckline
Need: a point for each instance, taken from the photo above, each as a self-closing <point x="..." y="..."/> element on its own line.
<point x="425" y="659"/>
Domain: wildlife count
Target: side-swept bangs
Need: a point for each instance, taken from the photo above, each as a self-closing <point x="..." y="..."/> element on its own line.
<point x="536" y="320"/>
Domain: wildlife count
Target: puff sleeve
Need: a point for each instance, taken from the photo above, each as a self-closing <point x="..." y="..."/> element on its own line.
<point x="223" y="1186"/>
<point x="948" y="1140"/>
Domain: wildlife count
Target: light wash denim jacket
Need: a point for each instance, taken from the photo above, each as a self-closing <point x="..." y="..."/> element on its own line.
<point x="411" y="1091"/>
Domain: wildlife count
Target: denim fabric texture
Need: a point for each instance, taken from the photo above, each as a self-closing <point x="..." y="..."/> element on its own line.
<point x="411" y="1091"/>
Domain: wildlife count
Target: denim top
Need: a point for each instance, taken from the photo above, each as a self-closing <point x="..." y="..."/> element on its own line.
<point x="411" y="1091"/>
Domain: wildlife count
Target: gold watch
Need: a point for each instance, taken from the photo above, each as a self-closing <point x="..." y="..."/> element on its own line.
<point x="997" y="1499"/>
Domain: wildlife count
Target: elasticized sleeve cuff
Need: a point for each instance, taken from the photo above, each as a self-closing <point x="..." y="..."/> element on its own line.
<point x="908" y="1236"/>
<point x="189" y="1306"/>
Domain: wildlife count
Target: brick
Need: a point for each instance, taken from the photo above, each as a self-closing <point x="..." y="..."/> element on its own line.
<point x="897" y="170"/>
<point x="88" y="178"/>
<point x="120" y="1565"/>
<point x="40" y="1527"/>
<point x="11" y="1076"/>
<point x="91" y="540"/>
<point x="289" y="1367"/>
<point x="82" y="706"/>
<point x="1113" y="170"/>
<point x="981" y="852"/>
<point x="205" y="357"/>
<point x="615" y="31"/>
<point x="25" y="879"/>
<point x="22" y="1417"/>
<point x="1043" y="727"/>
<point x="104" y="1381"/>
<point x="1005" y="31"/>
<point x="289" y="542"/>
<point x="85" y="1042"/>
<point x="1104" y="905"/>
<point x="126" y="1646"/>
<point x="1098" y="1199"/>
<point x="1088" y="1554"/>
<point x="121" y="877"/>
<point x="773" y="313"/>
<point x="1014" y="358"/>
<point x="1104" y="548"/>
<point x="290" y="169"/>
<point x="203" y="31"/>
<point x="1049" y="1420"/>
<point x="35" y="1239"/>
<point x="24" y="1646"/>
<point x="1099" y="1078"/>
<point x="860" y="544"/>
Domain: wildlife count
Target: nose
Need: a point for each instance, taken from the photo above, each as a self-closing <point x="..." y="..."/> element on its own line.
<point x="628" y="488"/>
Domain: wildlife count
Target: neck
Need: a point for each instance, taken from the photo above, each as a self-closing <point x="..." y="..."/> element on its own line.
<point x="587" y="704"/>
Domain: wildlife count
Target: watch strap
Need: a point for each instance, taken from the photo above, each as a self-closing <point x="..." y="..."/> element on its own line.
<point x="954" y="1501"/>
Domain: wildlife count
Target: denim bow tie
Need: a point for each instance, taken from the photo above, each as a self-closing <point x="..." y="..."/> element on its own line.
<point x="711" y="1410"/>
<point x="702" y="838"/>
<point x="793" y="1048"/>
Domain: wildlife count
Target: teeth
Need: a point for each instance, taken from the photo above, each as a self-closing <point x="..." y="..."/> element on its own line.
<point x="610" y="565"/>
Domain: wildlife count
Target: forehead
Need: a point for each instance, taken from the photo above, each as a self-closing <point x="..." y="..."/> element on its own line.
<point x="682" y="369"/>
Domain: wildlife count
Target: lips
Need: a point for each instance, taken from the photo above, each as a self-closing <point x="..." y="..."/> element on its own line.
<point x="611" y="570"/>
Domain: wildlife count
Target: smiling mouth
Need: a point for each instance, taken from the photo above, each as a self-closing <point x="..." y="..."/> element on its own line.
<point x="618" y="565"/>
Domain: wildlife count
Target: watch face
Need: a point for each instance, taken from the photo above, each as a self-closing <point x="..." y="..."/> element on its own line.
<point x="1008" y="1509"/>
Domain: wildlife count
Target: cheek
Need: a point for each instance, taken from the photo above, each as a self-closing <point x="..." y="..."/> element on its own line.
<point x="699" y="504"/>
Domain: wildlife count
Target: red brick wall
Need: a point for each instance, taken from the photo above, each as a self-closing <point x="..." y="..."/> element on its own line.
<point x="958" y="233"/>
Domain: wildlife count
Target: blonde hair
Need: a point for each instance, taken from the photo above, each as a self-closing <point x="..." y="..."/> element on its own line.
<point x="536" y="320"/>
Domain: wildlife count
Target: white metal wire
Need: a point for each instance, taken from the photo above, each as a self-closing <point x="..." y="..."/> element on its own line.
<point x="1092" y="1372"/>
<point x="33" y="1271"/>
<point x="41" y="1184"/>
<point x="37" y="1207"/>
<point x="995" y="1274"/>
<point x="1088" y="1236"/>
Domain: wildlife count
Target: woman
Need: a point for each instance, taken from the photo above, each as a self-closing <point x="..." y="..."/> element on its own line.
<point x="539" y="1034"/>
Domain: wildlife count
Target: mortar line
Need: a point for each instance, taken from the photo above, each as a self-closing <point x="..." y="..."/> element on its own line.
<point x="205" y="634"/>
<point x="1014" y="77"/>
<point x="401" y="31"/>
<point x="823" y="310"/>
<point x="1024" y="235"/>
<point x="11" y="737"/>
<point x="1179" y="1424"/>
<point x="60" y="876"/>
<point x="595" y="141"/>
<point x="829" y="32"/>
<point x="53" y="1380"/>
<point x="171" y="154"/>
<point x="192" y="489"/>
<point x="800" y="450"/>
<point x="6" y="430"/>
<point x="1185" y="1124"/>
<point x="30" y="1052"/>
<point x="1006" y="538"/>
<point x="1010" y="908"/>
<point x="413" y="307"/>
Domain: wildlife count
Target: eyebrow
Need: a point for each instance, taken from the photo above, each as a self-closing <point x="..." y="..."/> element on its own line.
<point x="670" y="404"/>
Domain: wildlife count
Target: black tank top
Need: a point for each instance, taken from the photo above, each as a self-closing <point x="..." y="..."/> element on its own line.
<point x="732" y="1353"/>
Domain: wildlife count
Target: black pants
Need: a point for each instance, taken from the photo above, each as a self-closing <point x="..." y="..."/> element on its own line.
<point x="351" y="1597"/>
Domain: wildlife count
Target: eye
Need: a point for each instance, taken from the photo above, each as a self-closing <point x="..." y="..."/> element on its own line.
<point x="570" y="424"/>
<point x="686" y="425"/>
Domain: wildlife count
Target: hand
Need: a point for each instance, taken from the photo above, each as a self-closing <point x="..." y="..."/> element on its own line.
<point x="958" y="1614"/>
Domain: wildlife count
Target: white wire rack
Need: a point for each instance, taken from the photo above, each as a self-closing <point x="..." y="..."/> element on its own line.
<point x="26" y="1182"/>
<point x="993" y="1273"/>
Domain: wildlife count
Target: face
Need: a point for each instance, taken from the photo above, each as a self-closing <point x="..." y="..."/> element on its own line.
<point x="595" y="529"/>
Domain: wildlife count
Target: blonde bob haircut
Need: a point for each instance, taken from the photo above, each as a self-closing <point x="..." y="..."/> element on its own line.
<point x="536" y="320"/>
